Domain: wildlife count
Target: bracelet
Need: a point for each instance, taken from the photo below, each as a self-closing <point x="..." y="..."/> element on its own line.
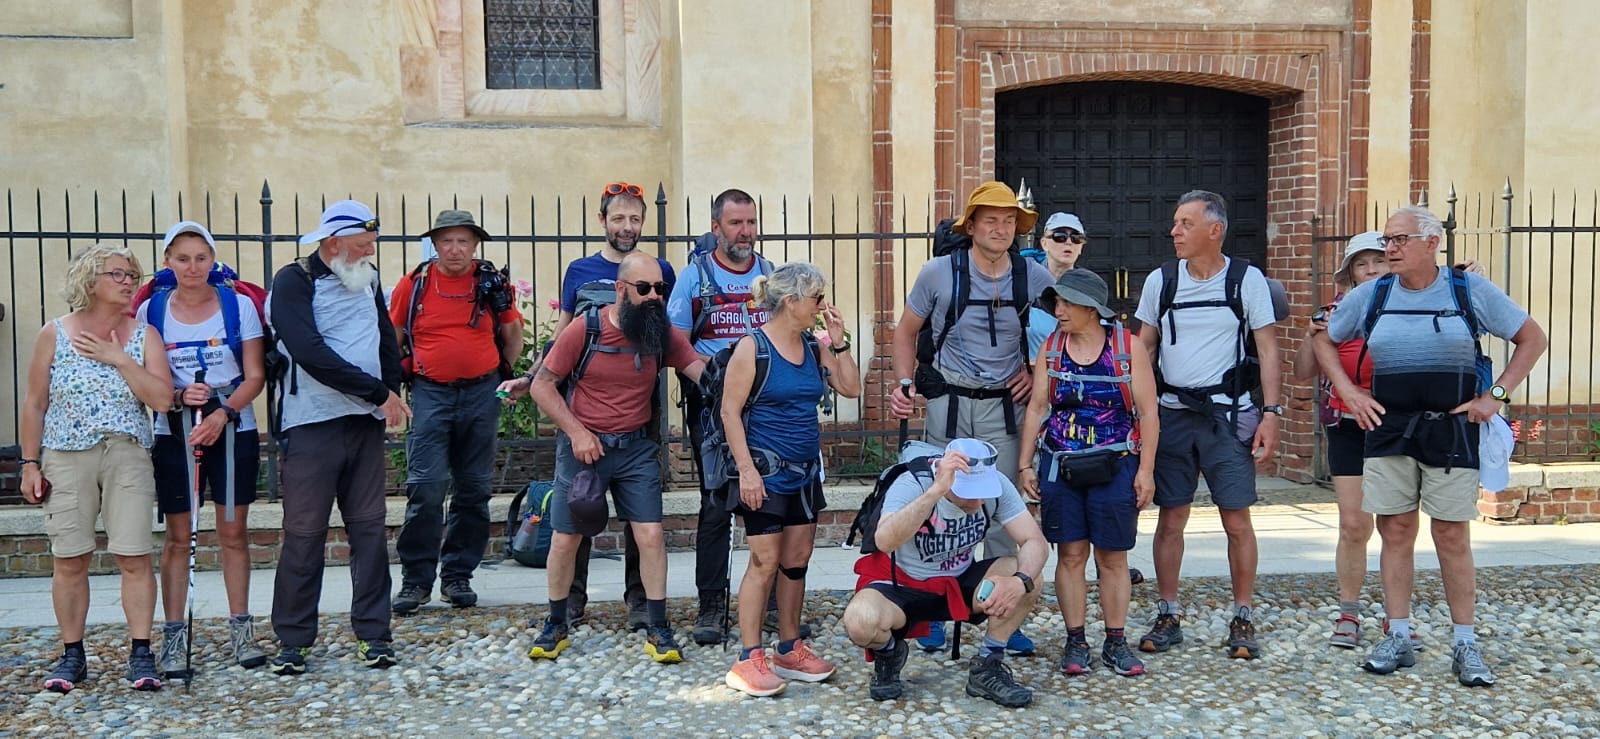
<point x="25" y="460"/>
<point x="1028" y="468"/>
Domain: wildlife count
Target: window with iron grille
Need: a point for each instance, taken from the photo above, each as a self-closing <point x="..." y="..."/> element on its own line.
<point x="542" y="44"/>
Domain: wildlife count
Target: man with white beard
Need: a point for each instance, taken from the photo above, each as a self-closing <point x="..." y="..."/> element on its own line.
<point x="338" y="392"/>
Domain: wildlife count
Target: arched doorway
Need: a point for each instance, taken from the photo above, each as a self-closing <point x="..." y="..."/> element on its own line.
<point x="1119" y="154"/>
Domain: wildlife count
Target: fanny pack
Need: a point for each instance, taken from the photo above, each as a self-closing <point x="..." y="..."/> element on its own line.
<point x="1083" y="468"/>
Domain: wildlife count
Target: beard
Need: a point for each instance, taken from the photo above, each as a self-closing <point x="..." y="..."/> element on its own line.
<point x="355" y="275"/>
<point x="623" y="242"/>
<point x="644" y="324"/>
<point x="736" y="251"/>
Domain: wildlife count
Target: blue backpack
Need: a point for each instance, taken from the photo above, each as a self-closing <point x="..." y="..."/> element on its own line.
<point x="227" y="284"/>
<point x="1461" y="291"/>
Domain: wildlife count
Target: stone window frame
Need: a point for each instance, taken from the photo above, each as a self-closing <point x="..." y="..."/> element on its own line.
<point x="442" y="65"/>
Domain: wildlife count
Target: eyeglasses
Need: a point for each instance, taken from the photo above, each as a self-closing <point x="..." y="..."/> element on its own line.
<point x="1062" y="238"/>
<point x="618" y="188"/>
<point x="1398" y="240"/>
<point x="122" y="275"/>
<point x="819" y="297"/>
<point x="367" y="226"/>
<point x="644" y="288"/>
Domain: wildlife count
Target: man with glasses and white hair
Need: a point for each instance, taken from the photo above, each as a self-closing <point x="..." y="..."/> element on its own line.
<point x="340" y="389"/>
<point x="1431" y="390"/>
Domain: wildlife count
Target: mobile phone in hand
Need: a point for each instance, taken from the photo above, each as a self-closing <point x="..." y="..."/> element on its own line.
<point x="985" y="590"/>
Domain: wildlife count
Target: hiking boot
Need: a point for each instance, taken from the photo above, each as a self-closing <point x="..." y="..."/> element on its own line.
<point x="1164" y="634"/>
<point x="458" y="593"/>
<point x="1121" y="659"/>
<point x="1467" y="663"/>
<point x="990" y="678"/>
<point x="935" y="640"/>
<point x="1346" y="632"/>
<point x="290" y="660"/>
<point x="754" y="676"/>
<point x="707" y="625"/>
<point x="639" y="619"/>
<point x="1075" y="658"/>
<point x="1391" y="654"/>
<point x="71" y="670"/>
<point x="662" y="646"/>
<point x="1242" y="639"/>
<point x="551" y="641"/>
<point x="376" y="654"/>
<point x="1416" y="639"/>
<point x="142" y="670"/>
<point x="1019" y="645"/>
<point x="886" y="685"/>
<point x="411" y="598"/>
<point x="242" y="636"/>
<point x="172" y="663"/>
<point x="802" y="664"/>
<point x="769" y="625"/>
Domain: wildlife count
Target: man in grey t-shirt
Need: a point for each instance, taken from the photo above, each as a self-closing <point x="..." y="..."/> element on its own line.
<point x="932" y="526"/>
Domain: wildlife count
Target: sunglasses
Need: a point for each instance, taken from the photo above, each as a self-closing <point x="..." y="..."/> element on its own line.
<point x="618" y="188"/>
<point x="122" y="275"/>
<point x="1061" y="238"/>
<point x="819" y="297"/>
<point x="644" y="288"/>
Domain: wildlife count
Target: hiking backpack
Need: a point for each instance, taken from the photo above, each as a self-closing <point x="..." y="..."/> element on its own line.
<point x="712" y="294"/>
<point x="867" y="516"/>
<point x="717" y="460"/>
<point x="1054" y="353"/>
<point x="530" y="507"/>
<point x="485" y="278"/>
<point x="227" y="284"/>
<point x="959" y="247"/>
<point x="1461" y="292"/>
<point x="1243" y="378"/>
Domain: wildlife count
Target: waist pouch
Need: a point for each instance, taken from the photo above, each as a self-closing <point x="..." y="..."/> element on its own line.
<point x="930" y="382"/>
<point x="1082" y="468"/>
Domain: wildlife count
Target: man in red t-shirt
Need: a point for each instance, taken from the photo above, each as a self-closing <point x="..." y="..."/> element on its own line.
<point x="604" y="421"/>
<point x="447" y="312"/>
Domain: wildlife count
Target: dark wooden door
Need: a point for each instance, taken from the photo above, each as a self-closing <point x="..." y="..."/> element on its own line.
<point x="1119" y="154"/>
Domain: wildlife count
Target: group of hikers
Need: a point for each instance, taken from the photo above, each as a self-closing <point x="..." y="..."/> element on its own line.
<point x="1033" y="394"/>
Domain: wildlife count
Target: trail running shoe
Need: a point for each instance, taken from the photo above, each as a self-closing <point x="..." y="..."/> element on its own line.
<point x="754" y="676"/>
<point x="1389" y="655"/>
<point x="551" y="641"/>
<point x="1019" y="645"/>
<point x="802" y="664"/>
<point x="1075" y="659"/>
<point x="935" y="640"/>
<point x="290" y="660"/>
<point x="662" y="646"/>
<point x="1121" y="659"/>
<point x="707" y="625"/>
<point x="990" y="678"/>
<point x="639" y="618"/>
<point x="411" y="598"/>
<point x="174" y="640"/>
<point x="1242" y="639"/>
<point x="377" y="654"/>
<point x="242" y="637"/>
<point x="458" y="593"/>
<point x="1346" y="632"/>
<point x="1467" y="663"/>
<point x="142" y="670"/>
<point x="886" y="668"/>
<point x="1164" y="634"/>
<point x="71" y="670"/>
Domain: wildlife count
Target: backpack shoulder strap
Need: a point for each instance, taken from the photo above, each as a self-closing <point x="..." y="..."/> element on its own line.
<point x="1380" y="298"/>
<point x="1169" y="295"/>
<point x="710" y="294"/>
<point x="1233" y="285"/>
<point x="1019" y="298"/>
<point x="1462" y="290"/>
<point x="156" y="313"/>
<point x="229" y="301"/>
<point x="1122" y="357"/>
<point x="960" y="293"/>
<point x="419" y="278"/>
<point x="591" y="339"/>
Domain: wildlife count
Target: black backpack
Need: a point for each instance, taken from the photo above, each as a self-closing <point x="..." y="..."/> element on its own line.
<point x="717" y="460"/>
<point x="959" y="247"/>
<point x="1245" y="377"/>
<point x="533" y="500"/>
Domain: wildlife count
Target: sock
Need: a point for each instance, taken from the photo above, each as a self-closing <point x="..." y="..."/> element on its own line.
<point x="558" y="611"/>
<point x="139" y="644"/>
<point x="1075" y="635"/>
<point x="1115" y="635"/>
<point x="744" y="654"/>
<point x="71" y="647"/>
<point x="990" y="646"/>
<point x="786" y="646"/>
<point x="887" y="648"/>
<point x="1166" y="607"/>
<point x="1349" y="608"/>
<point x="1400" y="627"/>
<point x="1241" y="612"/>
<point x="656" y="612"/>
<point x="1465" y="634"/>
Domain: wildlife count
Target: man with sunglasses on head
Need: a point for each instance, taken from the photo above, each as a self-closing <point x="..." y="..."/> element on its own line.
<point x="590" y="282"/>
<point x="340" y="389"/>
<point x="605" y="441"/>
<point x="448" y="313"/>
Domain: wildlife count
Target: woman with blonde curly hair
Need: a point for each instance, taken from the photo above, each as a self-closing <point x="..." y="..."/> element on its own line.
<point x="86" y="433"/>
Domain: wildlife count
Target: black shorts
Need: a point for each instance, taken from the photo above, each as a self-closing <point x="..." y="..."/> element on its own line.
<point x="778" y="512"/>
<point x="172" y="464"/>
<point x="924" y="607"/>
<point x="1346" y="445"/>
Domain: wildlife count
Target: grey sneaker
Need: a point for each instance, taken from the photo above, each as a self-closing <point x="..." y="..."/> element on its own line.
<point x="1467" y="663"/>
<point x="1164" y="634"/>
<point x="1075" y="658"/>
<point x="411" y="598"/>
<point x="458" y="593"/>
<point x="171" y="664"/>
<point x="886" y="685"/>
<point x="1392" y="653"/>
<point x="242" y="636"/>
<point x="1346" y="632"/>
<point x="1121" y="659"/>
<point x="707" y="625"/>
<point x="990" y="678"/>
<point x="1416" y="639"/>
<point x="142" y="670"/>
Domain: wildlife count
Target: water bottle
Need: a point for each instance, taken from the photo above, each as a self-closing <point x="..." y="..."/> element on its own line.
<point x="527" y="532"/>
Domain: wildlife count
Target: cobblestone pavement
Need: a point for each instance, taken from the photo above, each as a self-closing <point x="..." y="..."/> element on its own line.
<point x="464" y="673"/>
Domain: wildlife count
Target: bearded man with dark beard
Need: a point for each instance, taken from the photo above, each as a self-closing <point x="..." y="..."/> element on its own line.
<point x="604" y="443"/>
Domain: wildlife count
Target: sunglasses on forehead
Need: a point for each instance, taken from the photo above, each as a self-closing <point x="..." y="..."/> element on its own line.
<point x="1062" y="237"/>
<point x="369" y="225"/>
<point x="618" y="188"/>
<point x="644" y="288"/>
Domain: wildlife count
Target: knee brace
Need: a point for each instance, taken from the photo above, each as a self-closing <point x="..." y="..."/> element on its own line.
<point x="794" y="573"/>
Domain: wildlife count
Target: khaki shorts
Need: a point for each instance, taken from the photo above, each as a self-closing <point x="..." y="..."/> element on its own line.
<point x="113" y="477"/>
<point x="1395" y="485"/>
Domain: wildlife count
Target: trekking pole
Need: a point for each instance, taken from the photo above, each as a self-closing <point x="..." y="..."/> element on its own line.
<point x="905" y="423"/>
<point x="194" y="535"/>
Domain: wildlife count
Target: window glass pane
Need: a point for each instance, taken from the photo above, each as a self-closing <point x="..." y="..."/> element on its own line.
<point x="542" y="44"/>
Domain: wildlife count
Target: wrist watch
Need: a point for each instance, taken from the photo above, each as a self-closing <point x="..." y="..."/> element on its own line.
<point x="1500" y="393"/>
<point x="1276" y="410"/>
<point x="233" y="415"/>
<point x="1027" y="582"/>
<point x="840" y="349"/>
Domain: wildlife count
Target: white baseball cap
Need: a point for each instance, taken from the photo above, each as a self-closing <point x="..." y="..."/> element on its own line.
<point x="1064" y="220"/>
<point x="1495" y="441"/>
<point x="343" y="218"/>
<point x="981" y="481"/>
<point x="188" y="227"/>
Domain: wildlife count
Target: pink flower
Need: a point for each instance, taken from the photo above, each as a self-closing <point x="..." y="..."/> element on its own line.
<point x="554" y="304"/>
<point x="524" y="287"/>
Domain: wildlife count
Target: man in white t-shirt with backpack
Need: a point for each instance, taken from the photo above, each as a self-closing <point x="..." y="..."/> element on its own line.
<point x="1197" y="334"/>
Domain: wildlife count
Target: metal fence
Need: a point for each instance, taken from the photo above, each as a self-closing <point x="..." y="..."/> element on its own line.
<point x="536" y="239"/>
<point x="1542" y="252"/>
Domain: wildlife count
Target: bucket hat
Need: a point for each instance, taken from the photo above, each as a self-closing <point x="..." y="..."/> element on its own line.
<point x="997" y="195"/>
<point x="1079" y="287"/>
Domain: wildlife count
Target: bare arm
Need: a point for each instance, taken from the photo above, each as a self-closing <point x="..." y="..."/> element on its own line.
<point x="34" y="406"/>
<point x="897" y="528"/>
<point x="844" y="376"/>
<point x="1032" y="549"/>
<point x="904" y="361"/>
<point x="1033" y="421"/>
<point x="1305" y="358"/>
<point x="150" y="382"/>
<point x="1530" y="342"/>
<point x="511" y="334"/>
<point x="1266" y="438"/>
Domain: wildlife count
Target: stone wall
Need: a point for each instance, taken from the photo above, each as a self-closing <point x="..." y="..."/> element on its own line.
<point x="1545" y="494"/>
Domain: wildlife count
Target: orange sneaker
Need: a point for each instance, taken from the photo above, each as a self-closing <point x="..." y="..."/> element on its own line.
<point x="754" y="676"/>
<point x="802" y="664"/>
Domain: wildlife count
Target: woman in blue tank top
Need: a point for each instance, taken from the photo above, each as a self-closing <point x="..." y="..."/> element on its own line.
<point x="1093" y="405"/>
<point x="777" y="449"/>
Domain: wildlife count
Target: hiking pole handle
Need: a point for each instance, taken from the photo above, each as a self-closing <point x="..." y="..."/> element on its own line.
<point x="905" y="423"/>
